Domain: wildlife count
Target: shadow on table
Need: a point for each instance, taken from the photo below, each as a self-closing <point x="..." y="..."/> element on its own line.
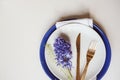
<point x="84" y="15"/>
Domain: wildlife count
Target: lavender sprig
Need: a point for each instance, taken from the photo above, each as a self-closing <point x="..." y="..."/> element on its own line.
<point x="63" y="53"/>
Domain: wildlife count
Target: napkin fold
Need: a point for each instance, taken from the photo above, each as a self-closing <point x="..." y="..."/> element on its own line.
<point x="86" y="21"/>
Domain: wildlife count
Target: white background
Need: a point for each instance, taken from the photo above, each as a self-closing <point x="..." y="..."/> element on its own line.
<point x="23" y="23"/>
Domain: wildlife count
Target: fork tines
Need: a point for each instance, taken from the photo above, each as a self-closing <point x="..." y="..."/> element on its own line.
<point x="91" y="50"/>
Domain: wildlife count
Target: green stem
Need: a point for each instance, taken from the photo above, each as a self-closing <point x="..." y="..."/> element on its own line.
<point x="52" y="56"/>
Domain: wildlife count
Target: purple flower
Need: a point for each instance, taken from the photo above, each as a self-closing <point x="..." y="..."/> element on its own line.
<point x="63" y="52"/>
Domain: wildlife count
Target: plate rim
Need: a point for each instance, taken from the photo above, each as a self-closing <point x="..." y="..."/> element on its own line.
<point x="98" y="30"/>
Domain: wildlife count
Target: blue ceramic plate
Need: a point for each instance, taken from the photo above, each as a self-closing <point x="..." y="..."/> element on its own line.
<point x="54" y="76"/>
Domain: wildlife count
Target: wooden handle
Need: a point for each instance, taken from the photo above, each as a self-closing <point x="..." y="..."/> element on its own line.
<point x="84" y="72"/>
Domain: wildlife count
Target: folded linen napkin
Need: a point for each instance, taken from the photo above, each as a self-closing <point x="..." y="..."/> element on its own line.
<point x="85" y="21"/>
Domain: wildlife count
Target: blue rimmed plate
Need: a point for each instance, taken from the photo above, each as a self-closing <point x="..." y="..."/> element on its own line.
<point x="102" y="59"/>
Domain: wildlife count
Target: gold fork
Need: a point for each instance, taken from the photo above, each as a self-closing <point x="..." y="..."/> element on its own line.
<point x="90" y="54"/>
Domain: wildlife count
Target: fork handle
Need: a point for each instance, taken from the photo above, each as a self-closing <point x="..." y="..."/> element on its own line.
<point x="84" y="72"/>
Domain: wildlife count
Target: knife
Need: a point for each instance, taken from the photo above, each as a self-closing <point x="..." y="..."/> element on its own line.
<point x="78" y="57"/>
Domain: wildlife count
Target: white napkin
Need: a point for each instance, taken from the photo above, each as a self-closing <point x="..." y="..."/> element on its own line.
<point x="85" y="21"/>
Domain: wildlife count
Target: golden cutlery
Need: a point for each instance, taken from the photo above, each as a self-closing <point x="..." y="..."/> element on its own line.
<point x="78" y="57"/>
<point x="90" y="54"/>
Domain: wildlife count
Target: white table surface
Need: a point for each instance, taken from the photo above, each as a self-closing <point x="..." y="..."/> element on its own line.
<point x="23" y="23"/>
